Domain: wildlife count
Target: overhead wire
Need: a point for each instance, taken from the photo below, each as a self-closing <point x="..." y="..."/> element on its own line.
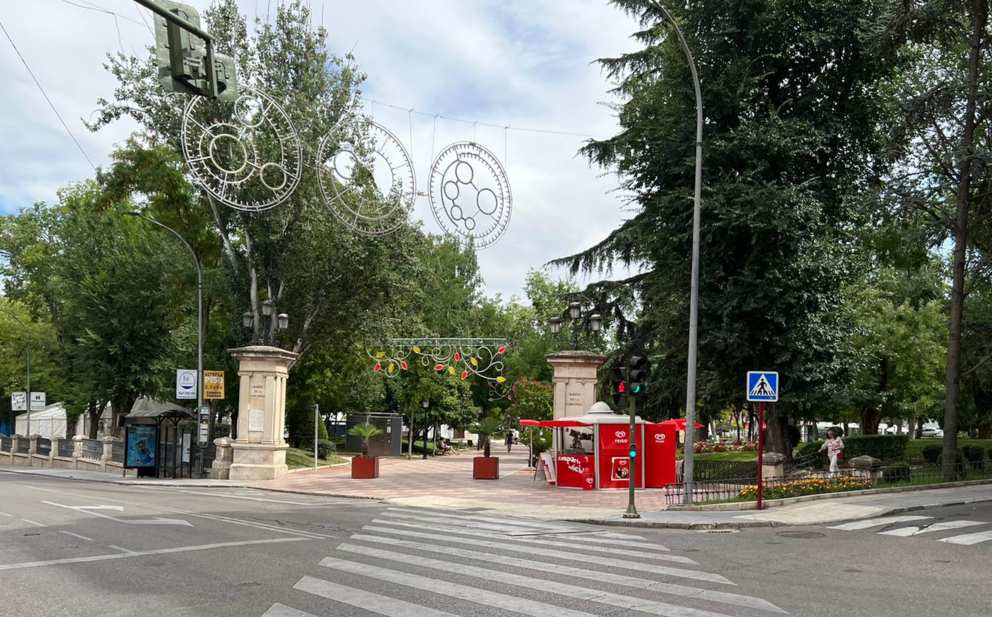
<point x="45" y="94"/>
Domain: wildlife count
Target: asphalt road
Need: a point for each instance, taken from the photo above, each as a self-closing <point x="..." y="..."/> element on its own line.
<point x="79" y="549"/>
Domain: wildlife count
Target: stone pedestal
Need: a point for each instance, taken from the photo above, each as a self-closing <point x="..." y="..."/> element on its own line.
<point x="575" y="377"/>
<point x="773" y="466"/>
<point x="259" y="452"/>
<point x="223" y="457"/>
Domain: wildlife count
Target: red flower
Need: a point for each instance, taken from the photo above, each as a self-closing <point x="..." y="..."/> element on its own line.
<point x="458" y="356"/>
<point x="377" y="367"/>
<point x="502" y="349"/>
<point x="464" y="375"/>
<point x="438" y="367"/>
<point x="404" y="365"/>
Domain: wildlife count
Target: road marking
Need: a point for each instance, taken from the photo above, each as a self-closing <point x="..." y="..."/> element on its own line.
<point x="662" y="609"/>
<point x="493" y="599"/>
<point x="35" y="523"/>
<point x="383" y="605"/>
<point x="619" y="536"/>
<point x="162" y="551"/>
<point x="644" y="546"/>
<point x="555" y="543"/>
<point x="281" y="610"/>
<point x="76" y="535"/>
<point x="607" y="577"/>
<point x="570" y="556"/>
<point x="969" y="538"/>
<point x="95" y="511"/>
<point x="489" y="519"/>
<point x="120" y="548"/>
<point x="220" y="496"/>
<point x="878" y="522"/>
<point x="905" y="532"/>
<point x="7" y="515"/>
<point x="266" y="526"/>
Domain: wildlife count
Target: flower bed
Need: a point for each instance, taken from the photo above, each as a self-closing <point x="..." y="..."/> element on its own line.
<point x="808" y="486"/>
<point x="737" y="446"/>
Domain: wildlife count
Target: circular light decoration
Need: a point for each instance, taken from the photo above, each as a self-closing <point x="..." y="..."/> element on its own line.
<point x="469" y="193"/>
<point x="250" y="161"/>
<point x="369" y="185"/>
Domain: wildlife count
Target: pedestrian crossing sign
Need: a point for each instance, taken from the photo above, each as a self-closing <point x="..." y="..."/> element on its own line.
<point x="762" y="386"/>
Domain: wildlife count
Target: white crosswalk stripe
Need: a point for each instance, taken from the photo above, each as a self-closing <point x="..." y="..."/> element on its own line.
<point x="879" y="522"/>
<point x="969" y="538"/>
<point x="905" y="532"/>
<point x="469" y="567"/>
<point x="569" y="543"/>
<point x="594" y="575"/>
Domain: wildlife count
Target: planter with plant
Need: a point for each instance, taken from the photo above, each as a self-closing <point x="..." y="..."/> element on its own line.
<point x="365" y="467"/>
<point x="486" y="467"/>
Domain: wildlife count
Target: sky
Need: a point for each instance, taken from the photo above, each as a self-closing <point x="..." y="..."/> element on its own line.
<point x="526" y="64"/>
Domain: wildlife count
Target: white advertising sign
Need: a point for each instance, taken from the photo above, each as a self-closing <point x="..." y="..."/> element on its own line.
<point x="37" y="401"/>
<point x="185" y="384"/>
<point x="19" y="401"/>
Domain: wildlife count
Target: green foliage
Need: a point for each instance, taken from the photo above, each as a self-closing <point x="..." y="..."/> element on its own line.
<point x="325" y="448"/>
<point x="931" y="454"/>
<point x="532" y="400"/>
<point x="882" y="447"/>
<point x="900" y="472"/>
<point x="366" y="432"/>
<point x="975" y="455"/>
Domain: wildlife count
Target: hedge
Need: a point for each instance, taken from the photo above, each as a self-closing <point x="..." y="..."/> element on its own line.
<point x="882" y="447"/>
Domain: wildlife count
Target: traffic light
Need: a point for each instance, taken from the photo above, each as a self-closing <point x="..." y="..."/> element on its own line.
<point x="186" y="61"/>
<point x="637" y="374"/>
<point x="618" y="386"/>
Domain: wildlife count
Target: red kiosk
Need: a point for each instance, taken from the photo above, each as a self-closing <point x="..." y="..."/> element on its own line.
<point x="593" y="451"/>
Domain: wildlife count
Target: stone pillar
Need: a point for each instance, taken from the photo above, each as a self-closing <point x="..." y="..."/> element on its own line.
<point x="221" y="467"/>
<point x="575" y="378"/>
<point x="773" y="466"/>
<point x="32" y="445"/>
<point x="259" y="452"/>
<point x="108" y="449"/>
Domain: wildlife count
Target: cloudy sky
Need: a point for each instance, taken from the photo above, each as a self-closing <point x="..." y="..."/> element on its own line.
<point x="527" y="64"/>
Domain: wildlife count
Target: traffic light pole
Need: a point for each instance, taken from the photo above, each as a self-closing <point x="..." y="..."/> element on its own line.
<point x="632" y="476"/>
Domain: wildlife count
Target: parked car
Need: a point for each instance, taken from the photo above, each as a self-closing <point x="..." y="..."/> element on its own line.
<point x="932" y="431"/>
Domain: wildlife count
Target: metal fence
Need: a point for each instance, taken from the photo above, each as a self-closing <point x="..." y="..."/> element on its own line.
<point x="23" y="445"/>
<point x="4" y="443"/>
<point x="66" y="448"/>
<point x="92" y="449"/>
<point x="798" y="482"/>
<point x="44" y="446"/>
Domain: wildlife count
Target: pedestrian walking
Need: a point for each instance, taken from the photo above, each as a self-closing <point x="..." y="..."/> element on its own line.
<point x="509" y="441"/>
<point x="834" y="446"/>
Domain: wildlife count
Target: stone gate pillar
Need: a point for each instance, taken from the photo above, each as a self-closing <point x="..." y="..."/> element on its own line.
<point x="259" y="452"/>
<point x="575" y="377"/>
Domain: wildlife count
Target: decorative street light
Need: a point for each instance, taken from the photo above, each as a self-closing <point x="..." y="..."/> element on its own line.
<point x="594" y="322"/>
<point x="280" y="323"/>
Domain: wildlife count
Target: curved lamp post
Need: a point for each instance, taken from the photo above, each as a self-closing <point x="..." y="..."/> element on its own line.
<point x="690" y="387"/>
<point x="199" y="319"/>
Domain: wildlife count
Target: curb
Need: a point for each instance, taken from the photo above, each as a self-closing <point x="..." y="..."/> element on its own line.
<point x="163" y="483"/>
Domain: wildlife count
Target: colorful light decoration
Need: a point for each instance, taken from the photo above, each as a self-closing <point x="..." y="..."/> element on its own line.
<point x="458" y="357"/>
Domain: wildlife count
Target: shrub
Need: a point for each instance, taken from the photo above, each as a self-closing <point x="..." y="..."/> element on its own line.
<point x="931" y="454"/>
<point x="882" y="447"/>
<point x="326" y="448"/>
<point x="975" y="456"/>
<point x="810" y="453"/>
<point x="896" y="473"/>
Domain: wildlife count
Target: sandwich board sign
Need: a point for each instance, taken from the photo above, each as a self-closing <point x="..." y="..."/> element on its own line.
<point x="762" y="386"/>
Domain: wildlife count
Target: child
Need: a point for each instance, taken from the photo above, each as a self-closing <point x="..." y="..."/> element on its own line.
<point x="834" y="446"/>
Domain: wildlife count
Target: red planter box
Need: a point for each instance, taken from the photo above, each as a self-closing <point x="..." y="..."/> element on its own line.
<point x="364" y="467"/>
<point x="485" y="468"/>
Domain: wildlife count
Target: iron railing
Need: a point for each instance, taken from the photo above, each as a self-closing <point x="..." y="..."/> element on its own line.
<point x="23" y="445"/>
<point x="117" y="451"/>
<point x="92" y="449"/>
<point x="66" y="448"/>
<point x="4" y="443"/>
<point x="43" y="446"/>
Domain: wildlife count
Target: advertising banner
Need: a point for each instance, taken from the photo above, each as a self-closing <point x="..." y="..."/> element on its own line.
<point x="614" y="456"/>
<point x="185" y="384"/>
<point x="213" y="385"/>
<point x="576" y="471"/>
<point x="140" y="445"/>
<point x="659" y="459"/>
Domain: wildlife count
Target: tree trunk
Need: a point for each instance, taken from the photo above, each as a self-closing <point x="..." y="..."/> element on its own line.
<point x="870" y="419"/>
<point x="952" y="391"/>
<point x="93" y="411"/>
<point x="777" y="435"/>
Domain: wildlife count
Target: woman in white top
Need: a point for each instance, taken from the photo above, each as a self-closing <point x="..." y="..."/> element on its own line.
<point x="834" y="446"/>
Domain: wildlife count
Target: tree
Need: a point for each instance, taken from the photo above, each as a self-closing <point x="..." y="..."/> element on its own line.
<point x="22" y="335"/>
<point x="793" y="146"/>
<point x="942" y="143"/>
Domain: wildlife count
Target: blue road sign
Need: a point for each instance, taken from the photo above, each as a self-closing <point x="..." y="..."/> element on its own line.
<point x="762" y="386"/>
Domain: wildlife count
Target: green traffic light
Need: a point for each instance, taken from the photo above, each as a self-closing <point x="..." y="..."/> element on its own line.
<point x="637" y="388"/>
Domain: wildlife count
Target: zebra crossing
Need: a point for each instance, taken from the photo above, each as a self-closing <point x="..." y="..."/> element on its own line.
<point x="426" y="563"/>
<point x="897" y="526"/>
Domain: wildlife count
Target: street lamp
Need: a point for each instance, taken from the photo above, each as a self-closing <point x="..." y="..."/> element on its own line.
<point x="280" y="321"/>
<point x="593" y="322"/>
<point x="690" y="386"/>
<point x="199" y="319"/>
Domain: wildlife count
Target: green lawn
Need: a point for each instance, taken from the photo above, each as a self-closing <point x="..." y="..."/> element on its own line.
<point x="297" y="458"/>
<point x="724" y="456"/>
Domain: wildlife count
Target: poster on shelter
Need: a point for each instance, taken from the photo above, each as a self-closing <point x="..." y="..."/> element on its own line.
<point x="620" y="468"/>
<point x="140" y="443"/>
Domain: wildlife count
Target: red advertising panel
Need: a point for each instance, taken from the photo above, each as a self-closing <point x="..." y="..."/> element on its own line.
<point x="659" y="459"/>
<point x="576" y="471"/>
<point x="614" y="456"/>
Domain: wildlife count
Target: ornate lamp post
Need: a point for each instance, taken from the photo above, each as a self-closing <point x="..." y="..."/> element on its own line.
<point x="277" y="323"/>
<point x="593" y="322"/>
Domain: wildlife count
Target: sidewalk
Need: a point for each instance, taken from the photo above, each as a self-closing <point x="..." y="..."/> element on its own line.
<point x="446" y="483"/>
